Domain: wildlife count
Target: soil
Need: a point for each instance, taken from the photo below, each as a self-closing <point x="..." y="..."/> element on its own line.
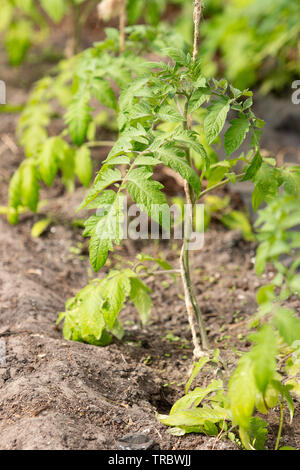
<point x="65" y="395"/>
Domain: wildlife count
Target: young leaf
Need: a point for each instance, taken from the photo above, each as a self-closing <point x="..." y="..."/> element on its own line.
<point x="106" y="230"/>
<point x="106" y="177"/>
<point x="29" y="186"/>
<point x="78" y="118"/>
<point x="49" y="160"/>
<point x="146" y="192"/>
<point x="139" y="295"/>
<point x="215" y="119"/>
<point x="84" y="166"/>
<point x="115" y="289"/>
<point x="235" y="135"/>
<point x="242" y="392"/>
<point x="174" y="158"/>
<point x="104" y="93"/>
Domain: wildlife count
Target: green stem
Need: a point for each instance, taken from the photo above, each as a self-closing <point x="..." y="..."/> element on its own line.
<point x="219" y="185"/>
<point x="280" y="427"/>
<point x="192" y="305"/>
<point x="102" y="143"/>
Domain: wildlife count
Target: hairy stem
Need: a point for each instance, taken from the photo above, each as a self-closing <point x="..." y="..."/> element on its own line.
<point x="192" y="305"/>
<point x="188" y="298"/>
<point x="197" y="17"/>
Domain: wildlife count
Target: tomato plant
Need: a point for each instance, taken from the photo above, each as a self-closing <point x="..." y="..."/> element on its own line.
<point x="169" y="114"/>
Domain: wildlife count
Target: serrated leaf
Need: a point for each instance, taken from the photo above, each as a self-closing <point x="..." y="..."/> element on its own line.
<point x="236" y="134"/>
<point x="253" y="168"/>
<point x="78" y="118"/>
<point x="215" y="119"/>
<point x="146" y="192"/>
<point x="104" y="93"/>
<point x="106" y="177"/>
<point x="106" y="231"/>
<point x="198" y="98"/>
<point x="174" y="159"/>
<point x="115" y="289"/>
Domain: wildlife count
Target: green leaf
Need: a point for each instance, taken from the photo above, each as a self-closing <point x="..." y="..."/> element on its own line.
<point x="175" y="159"/>
<point x="253" y="168"/>
<point x="195" y="417"/>
<point x="194" y="398"/>
<point x="106" y="177"/>
<point x="237" y="220"/>
<point x="146" y="192"/>
<point x="78" y="118"/>
<point x="40" y="227"/>
<point x="198" y="98"/>
<point x="134" y="10"/>
<point x="105" y="230"/>
<point x="197" y="368"/>
<point x="139" y="295"/>
<point x="84" y="165"/>
<point x="258" y="433"/>
<point x="29" y="186"/>
<point x="49" y="160"/>
<point x="104" y="93"/>
<point x="242" y="392"/>
<point x="169" y="114"/>
<point x="84" y="319"/>
<point x="263" y="356"/>
<point x="287" y="324"/>
<point x="56" y="9"/>
<point x="215" y="119"/>
<point x="115" y="289"/>
<point x="178" y="55"/>
<point x="235" y="135"/>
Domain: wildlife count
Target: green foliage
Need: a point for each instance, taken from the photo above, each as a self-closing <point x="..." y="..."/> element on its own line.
<point x="256" y="41"/>
<point x="25" y="23"/>
<point x="256" y="382"/>
<point x="202" y="410"/>
<point x="92" y="316"/>
<point x="168" y="114"/>
<point x="74" y="85"/>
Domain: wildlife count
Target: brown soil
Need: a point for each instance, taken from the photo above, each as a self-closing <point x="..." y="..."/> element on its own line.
<point x="65" y="395"/>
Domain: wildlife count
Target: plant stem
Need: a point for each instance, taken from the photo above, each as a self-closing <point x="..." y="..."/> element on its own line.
<point x="197" y="17"/>
<point x="192" y="305"/>
<point x="280" y="426"/>
<point x="102" y="143"/>
<point x="219" y="185"/>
